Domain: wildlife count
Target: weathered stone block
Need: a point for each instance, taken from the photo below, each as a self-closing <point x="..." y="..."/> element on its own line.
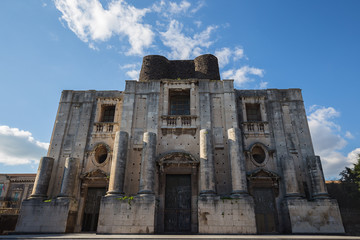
<point x="127" y="216"/>
<point x="222" y="216"/>
<point x="320" y="216"/>
<point x="37" y="215"/>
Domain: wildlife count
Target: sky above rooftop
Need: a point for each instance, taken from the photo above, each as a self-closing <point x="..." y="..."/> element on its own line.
<point x="50" y="46"/>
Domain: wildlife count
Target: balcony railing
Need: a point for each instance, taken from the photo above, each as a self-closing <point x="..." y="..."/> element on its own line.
<point x="255" y="128"/>
<point x="9" y="211"/>
<point x="105" y="127"/>
<point x="178" y="124"/>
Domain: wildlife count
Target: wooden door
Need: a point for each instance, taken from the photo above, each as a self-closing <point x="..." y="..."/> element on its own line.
<point x="177" y="217"/>
<point x="92" y="207"/>
<point x="265" y="210"/>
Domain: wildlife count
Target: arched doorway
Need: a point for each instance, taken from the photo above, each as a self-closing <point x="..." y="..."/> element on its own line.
<point x="264" y="187"/>
<point x="178" y="190"/>
<point x="93" y="188"/>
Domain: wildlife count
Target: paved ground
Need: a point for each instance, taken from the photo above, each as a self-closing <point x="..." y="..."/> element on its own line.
<point x="174" y="237"/>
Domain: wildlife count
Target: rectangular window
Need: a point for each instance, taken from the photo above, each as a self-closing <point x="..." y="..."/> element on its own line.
<point x="179" y="101"/>
<point x="253" y="113"/>
<point x="2" y="187"/>
<point x="16" y="196"/>
<point x="108" y="113"/>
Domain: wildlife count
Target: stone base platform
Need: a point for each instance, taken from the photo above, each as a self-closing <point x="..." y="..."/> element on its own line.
<point x="226" y="216"/>
<point x="38" y="215"/>
<point x="127" y="215"/>
<point x="173" y="237"/>
<point x="321" y="216"/>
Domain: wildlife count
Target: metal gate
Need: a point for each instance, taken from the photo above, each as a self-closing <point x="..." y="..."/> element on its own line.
<point x="177" y="217"/>
<point x="265" y="210"/>
<point x="92" y="207"/>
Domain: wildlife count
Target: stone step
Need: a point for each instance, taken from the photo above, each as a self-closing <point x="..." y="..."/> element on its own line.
<point x="175" y="237"/>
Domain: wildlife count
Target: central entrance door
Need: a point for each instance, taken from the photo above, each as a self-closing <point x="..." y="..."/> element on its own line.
<point x="265" y="210"/>
<point x="177" y="217"/>
<point x="92" y="207"/>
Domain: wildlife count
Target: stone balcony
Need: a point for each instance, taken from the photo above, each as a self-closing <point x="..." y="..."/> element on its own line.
<point x="9" y="211"/>
<point x="178" y="124"/>
<point x="105" y="128"/>
<point x="256" y="129"/>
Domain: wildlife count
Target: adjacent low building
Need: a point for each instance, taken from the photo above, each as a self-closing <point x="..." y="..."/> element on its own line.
<point x="14" y="188"/>
<point x="181" y="151"/>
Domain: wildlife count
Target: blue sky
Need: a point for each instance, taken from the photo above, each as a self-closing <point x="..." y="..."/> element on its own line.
<point x="49" y="46"/>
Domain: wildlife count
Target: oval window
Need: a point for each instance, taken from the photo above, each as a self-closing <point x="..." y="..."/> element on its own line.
<point x="258" y="154"/>
<point x="101" y="154"/>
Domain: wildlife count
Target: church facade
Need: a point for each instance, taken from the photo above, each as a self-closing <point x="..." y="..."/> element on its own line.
<point x="181" y="151"/>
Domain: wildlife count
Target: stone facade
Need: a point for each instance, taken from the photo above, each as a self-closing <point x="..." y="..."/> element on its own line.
<point x="181" y="151"/>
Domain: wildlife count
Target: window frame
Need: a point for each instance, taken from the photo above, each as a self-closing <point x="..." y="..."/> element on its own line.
<point x="179" y="102"/>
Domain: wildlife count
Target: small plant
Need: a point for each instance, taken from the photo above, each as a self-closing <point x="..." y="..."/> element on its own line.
<point x="129" y="199"/>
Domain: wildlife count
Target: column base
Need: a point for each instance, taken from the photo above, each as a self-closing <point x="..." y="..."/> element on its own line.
<point x="321" y="196"/>
<point x="145" y="192"/>
<point x="38" y="196"/>
<point x="114" y="193"/>
<point x="207" y="193"/>
<point x="293" y="196"/>
<point x="239" y="194"/>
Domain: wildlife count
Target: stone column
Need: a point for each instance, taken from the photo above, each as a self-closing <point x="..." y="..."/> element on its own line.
<point x="147" y="174"/>
<point x="69" y="178"/>
<point x="117" y="173"/>
<point x="42" y="179"/>
<point x="319" y="189"/>
<point x="207" y="171"/>
<point x="291" y="183"/>
<point x="192" y="99"/>
<point x="237" y="161"/>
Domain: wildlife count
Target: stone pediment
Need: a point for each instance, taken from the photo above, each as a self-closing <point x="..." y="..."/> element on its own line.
<point x="96" y="174"/>
<point x="262" y="174"/>
<point x="177" y="158"/>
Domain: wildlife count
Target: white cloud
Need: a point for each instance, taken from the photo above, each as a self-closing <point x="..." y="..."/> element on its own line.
<point x="353" y="155"/>
<point x="200" y="5"/>
<point x="238" y="53"/>
<point x="179" y="8"/>
<point x="170" y="9"/>
<point x="130" y="65"/>
<point x="198" y="23"/>
<point x="92" y="23"/>
<point x="328" y="141"/>
<point x="349" y="135"/>
<point x="182" y="47"/>
<point x="241" y="75"/>
<point x="133" y="74"/>
<point x="158" y="6"/>
<point x="19" y="147"/>
<point x="263" y="85"/>
<point x="223" y="56"/>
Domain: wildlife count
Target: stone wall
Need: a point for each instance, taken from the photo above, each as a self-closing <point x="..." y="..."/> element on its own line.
<point x="319" y="216"/>
<point x="155" y="67"/>
<point x="226" y="216"/>
<point x="37" y="215"/>
<point x="124" y="215"/>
